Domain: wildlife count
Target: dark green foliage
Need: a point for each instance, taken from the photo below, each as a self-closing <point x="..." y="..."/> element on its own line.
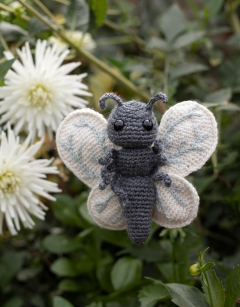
<point x="78" y="15"/>
<point x="99" y="7"/>
<point x="4" y="67"/>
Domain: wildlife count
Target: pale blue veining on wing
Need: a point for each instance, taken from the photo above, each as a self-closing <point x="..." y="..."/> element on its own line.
<point x="77" y="157"/>
<point x="175" y="192"/>
<point x="184" y="146"/>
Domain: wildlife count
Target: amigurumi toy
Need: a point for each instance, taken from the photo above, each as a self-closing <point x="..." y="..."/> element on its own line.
<point x="136" y="168"/>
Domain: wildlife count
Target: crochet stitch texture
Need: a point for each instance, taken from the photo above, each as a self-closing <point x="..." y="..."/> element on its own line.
<point x="134" y="167"/>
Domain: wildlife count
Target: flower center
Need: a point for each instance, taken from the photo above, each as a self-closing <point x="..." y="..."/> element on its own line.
<point x="39" y="97"/>
<point x="9" y="182"/>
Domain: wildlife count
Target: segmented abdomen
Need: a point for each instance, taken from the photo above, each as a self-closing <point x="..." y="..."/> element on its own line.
<point x="137" y="208"/>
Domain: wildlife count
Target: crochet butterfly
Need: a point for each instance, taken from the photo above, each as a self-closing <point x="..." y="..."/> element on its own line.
<point x="136" y="168"/>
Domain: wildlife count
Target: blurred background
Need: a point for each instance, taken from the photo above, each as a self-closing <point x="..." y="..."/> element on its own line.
<point x="190" y="51"/>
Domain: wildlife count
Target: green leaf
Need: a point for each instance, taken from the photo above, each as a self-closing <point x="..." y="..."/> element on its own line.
<point x="186" y="296"/>
<point x="213" y="289"/>
<point x="126" y="272"/>
<point x="60" y="243"/>
<point x="219" y="96"/>
<point x="229" y="107"/>
<point x="207" y="266"/>
<point x="211" y="285"/>
<point x="187" y="69"/>
<point x="213" y="7"/>
<point x="69" y="285"/>
<point x="98" y="304"/>
<point x="36" y="26"/>
<point x="64" y="267"/>
<point x="4" y="68"/>
<point x="15" y="301"/>
<point x="10" y="264"/>
<point x="151" y="294"/>
<point x="173" y="22"/>
<point x="188" y="38"/>
<point x="12" y="32"/>
<point x="58" y="301"/>
<point x="78" y="15"/>
<point x="166" y="269"/>
<point x="118" y="238"/>
<point x="201" y="257"/>
<point x="65" y="209"/>
<point x="181" y="248"/>
<point x="83" y="210"/>
<point x="28" y="273"/>
<point x="99" y="7"/>
<point x="233" y="287"/>
<point x="158" y="43"/>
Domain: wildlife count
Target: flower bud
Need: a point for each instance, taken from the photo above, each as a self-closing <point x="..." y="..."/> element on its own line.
<point x="195" y="270"/>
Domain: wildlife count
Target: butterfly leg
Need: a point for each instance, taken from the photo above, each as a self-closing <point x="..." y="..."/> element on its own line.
<point x="158" y="176"/>
<point x="115" y="185"/>
<point x="157" y="146"/>
<point x="105" y="174"/>
<point x="110" y="154"/>
<point x="157" y="149"/>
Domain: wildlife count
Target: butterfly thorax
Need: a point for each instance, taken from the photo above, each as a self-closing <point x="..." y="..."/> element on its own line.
<point x="136" y="162"/>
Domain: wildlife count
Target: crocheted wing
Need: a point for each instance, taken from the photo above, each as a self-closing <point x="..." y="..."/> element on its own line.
<point x="81" y="140"/>
<point x="176" y="206"/>
<point x="188" y="131"/>
<point x="105" y="209"/>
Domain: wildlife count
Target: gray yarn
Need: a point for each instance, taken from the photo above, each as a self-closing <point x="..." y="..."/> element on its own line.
<point x="102" y="100"/>
<point x="157" y="97"/>
<point x="135" y="166"/>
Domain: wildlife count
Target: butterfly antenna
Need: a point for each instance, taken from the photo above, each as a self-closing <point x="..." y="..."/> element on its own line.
<point x="157" y="97"/>
<point x="102" y="101"/>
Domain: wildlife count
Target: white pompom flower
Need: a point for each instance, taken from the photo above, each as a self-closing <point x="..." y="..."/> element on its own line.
<point x="38" y="93"/>
<point x="22" y="180"/>
<point x="79" y="38"/>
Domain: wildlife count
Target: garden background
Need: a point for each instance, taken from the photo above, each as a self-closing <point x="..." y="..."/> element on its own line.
<point x="189" y="50"/>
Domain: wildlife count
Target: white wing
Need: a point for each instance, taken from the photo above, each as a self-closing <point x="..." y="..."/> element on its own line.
<point x="81" y="140"/>
<point x="105" y="209"/>
<point x="189" y="134"/>
<point x="176" y="206"/>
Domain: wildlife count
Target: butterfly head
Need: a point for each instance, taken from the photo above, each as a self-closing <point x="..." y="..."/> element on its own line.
<point x="132" y="124"/>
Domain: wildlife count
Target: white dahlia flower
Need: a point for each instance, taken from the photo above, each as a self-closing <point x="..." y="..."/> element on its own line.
<point x="81" y="39"/>
<point x="22" y="180"/>
<point x="39" y="93"/>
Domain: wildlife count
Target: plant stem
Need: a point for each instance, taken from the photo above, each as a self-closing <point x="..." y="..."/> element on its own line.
<point x="131" y="37"/>
<point x="44" y="9"/>
<point x="208" y="288"/>
<point x="65" y="2"/>
<point x="235" y="22"/>
<point x="6" y="8"/>
<point x="214" y="159"/>
<point x="233" y="16"/>
<point x="205" y="280"/>
<point x="173" y="262"/>
<point x="3" y="42"/>
<point x="166" y="73"/>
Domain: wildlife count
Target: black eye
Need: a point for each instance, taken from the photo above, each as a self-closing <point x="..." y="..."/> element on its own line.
<point x="118" y="125"/>
<point x="147" y="124"/>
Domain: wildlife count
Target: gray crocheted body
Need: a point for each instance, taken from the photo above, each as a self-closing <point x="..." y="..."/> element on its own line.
<point x="132" y="170"/>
